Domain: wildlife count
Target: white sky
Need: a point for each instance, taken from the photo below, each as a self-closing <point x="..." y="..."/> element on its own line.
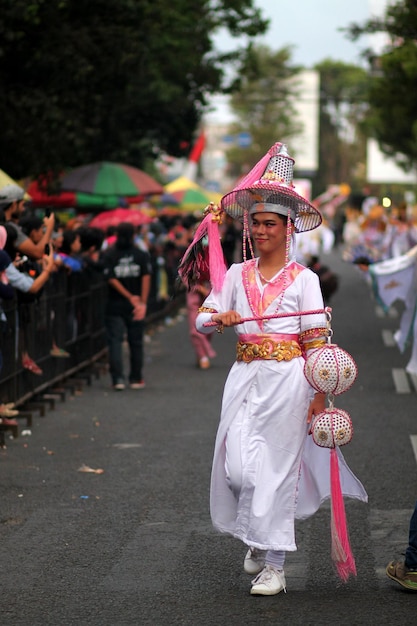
<point x="311" y="28"/>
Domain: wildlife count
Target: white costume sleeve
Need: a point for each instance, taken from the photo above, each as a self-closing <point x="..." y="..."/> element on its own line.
<point x="312" y="300"/>
<point x="219" y="302"/>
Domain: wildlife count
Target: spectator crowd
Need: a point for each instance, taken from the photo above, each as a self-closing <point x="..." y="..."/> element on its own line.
<point x="36" y="248"/>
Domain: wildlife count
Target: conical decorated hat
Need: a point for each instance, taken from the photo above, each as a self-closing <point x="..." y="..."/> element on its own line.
<point x="270" y="182"/>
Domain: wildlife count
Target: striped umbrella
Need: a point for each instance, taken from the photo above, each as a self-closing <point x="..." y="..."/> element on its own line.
<point x="189" y="195"/>
<point x="191" y="199"/>
<point x="69" y="199"/>
<point x="110" y="179"/>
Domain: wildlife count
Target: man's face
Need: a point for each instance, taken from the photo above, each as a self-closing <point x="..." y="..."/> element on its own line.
<point x="17" y="209"/>
<point x="36" y="234"/>
<point x="58" y="239"/>
<point x="269" y="231"/>
<point x="76" y="245"/>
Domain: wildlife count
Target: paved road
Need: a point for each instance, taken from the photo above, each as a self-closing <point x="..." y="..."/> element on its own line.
<point x="134" y="544"/>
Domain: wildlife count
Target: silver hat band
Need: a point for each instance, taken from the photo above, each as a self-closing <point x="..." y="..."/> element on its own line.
<point x="269" y="207"/>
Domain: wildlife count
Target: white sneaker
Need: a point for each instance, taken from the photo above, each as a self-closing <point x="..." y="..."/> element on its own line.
<point x="254" y="561"/>
<point x="140" y="384"/>
<point x="269" y="582"/>
<point x="119" y="387"/>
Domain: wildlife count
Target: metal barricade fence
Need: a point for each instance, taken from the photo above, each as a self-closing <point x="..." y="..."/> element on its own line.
<point x="69" y="313"/>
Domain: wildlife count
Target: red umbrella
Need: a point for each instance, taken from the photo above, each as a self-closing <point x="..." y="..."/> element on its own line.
<point x="115" y="217"/>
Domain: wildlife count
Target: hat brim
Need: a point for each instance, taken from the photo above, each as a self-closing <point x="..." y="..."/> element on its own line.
<point x="239" y="201"/>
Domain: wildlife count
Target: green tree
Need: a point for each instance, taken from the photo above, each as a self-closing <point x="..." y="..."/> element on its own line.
<point x="263" y="103"/>
<point x="392" y="119"/>
<point x="109" y="79"/>
<point x="343" y="107"/>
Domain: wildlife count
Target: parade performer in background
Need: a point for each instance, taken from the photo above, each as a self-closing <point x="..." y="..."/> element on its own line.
<point x="201" y="344"/>
<point x="396" y="280"/>
<point x="266" y="470"/>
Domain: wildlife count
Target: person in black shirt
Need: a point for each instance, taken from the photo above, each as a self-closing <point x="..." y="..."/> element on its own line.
<point x="128" y="273"/>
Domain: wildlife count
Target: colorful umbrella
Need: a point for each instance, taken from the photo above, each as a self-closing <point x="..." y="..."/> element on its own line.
<point x="179" y="184"/>
<point x="165" y="199"/>
<point x="110" y="179"/>
<point x="192" y="199"/>
<point x="189" y="195"/>
<point x="214" y="196"/>
<point x="115" y="217"/>
<point x="69" y="199"/>
<point x="6" y="180"/>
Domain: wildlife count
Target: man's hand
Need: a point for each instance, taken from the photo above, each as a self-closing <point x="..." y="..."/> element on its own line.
<point x="48" y="262"/>
<point x="139" y="311"/>
<point x="49" y="222"/>
<point x="317" y="405"/>
<point x="229" y="318"/>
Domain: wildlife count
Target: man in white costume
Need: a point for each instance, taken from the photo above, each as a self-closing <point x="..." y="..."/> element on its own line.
<point x="266" y="470"/>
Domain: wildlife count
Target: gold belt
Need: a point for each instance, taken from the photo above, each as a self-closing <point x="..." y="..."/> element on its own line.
<point x="267" y="349"/>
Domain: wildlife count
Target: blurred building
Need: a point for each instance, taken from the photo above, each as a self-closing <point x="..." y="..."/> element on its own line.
<point x="304" y="148"/>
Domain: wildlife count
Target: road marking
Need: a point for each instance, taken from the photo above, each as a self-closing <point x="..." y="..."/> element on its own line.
<point x="392" y="312"/>
<point x="400" y="381"/>
<point x="388" y="339"/>
<point x="379" y="311"/>
<point x="414" y="444"/>
<point x="413" y="380"/>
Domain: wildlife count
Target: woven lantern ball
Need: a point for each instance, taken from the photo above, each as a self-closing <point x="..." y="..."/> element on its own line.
<point x="330" y="369"/>
<point x="331" y="428"/>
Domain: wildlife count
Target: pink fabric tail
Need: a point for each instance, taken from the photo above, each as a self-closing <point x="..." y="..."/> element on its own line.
<point x="193" y="264"/>
<point x="194" y="260"/>
<point x="199" y="233"/>
<point x="341" y="551"/>
<point x="216" y="257"/>
<point x="259" y="169"/>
